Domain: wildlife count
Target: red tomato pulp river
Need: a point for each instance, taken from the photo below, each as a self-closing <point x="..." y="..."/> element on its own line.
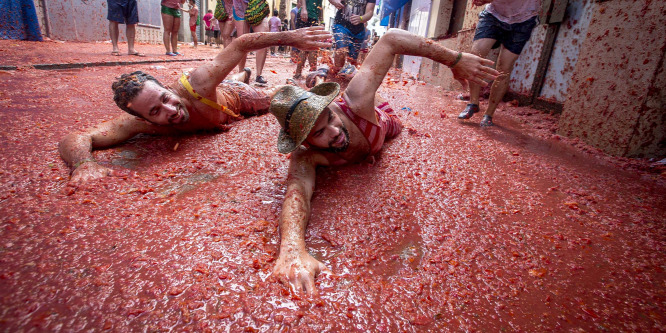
<point x="453" y="228"/>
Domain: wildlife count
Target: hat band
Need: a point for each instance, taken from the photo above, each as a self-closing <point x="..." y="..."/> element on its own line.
<point x="287" y="118"/>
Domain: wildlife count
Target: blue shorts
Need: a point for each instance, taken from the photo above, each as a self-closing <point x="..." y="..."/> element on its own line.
<point x="344" y="38"/>
<point x="512" y="36"/>
<point x="236" y="17"/>
<point x="123" y="11"/>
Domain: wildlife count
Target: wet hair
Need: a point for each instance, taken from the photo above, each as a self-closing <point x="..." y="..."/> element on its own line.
<point x="128" y="86"/>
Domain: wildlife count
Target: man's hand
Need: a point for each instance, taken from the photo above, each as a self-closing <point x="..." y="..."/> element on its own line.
<point x="304" y="14"/>
<point x="475" y="69"/>
<point x="355" y="19"/>
<point x="312" y="38"/>
<point x="89" y="171"/>
<point x="337" y="4"/>
<point x="299" y="269"/>
<point x="481" y="2"/>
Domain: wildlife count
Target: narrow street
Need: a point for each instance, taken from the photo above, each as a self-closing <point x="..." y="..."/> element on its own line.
<point x="452" y="227"/>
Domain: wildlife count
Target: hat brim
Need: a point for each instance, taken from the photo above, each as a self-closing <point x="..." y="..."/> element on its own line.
<point x="324" y="94"/>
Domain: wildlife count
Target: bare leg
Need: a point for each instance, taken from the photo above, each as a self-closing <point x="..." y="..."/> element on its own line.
<point x="241" y="28"/>
<point x="261" y="54"/>
<point x="300" y="63"/>
<point x="174" y="34"/>
<point x="339" y="60"/>
<point x="227" y="28"/>
<point x="167" y="21"/>
<point x="194" y="38"/>
<point x="113" y="31"/>
<point x="504" y="65"/>
<point x="481" y="48"/>
<point x="130" y="32"/>
<point x="312" y="60"/>
<point x="242" y="76"/>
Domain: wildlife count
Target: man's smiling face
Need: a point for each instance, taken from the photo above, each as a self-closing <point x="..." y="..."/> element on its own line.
<point x="159" y="105"/>
<point x="329" y="133"/>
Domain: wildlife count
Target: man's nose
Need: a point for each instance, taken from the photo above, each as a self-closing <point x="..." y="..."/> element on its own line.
<point x="333" y="130"/>
<point x="171" y="110"/>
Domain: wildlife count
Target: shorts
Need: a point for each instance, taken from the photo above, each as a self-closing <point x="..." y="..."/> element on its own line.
<point x="344" y="38"/>
<point x="242" y="98"/>
<point x="171" y="11"/>
<point x="193" y="28"/>
<point x="209" y="33"/>
<point x="216" y="34"/>
<point x="512" y="36"/>
<point x="309" y="23"/>
<point x="240" y="6"/>
<point x="123" y="11"/>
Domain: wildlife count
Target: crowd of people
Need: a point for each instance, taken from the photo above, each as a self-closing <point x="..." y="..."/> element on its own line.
<point x="321" y="126"/>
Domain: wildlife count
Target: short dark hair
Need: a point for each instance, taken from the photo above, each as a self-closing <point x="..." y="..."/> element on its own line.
<point x="127" y="86"/>
<point x="275" y="12"/>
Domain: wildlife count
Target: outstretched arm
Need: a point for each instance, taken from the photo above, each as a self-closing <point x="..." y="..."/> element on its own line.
<point x="396" y="41"/>
<point x="76" y="148"/>
<point x="295" y="265"/>
<point x="206" y="78"/>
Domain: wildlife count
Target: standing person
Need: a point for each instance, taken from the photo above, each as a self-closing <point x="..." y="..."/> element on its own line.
<point x="309" y="12"/>
<point x="349" y="31"/>
<point x="123" y="12"/>
<point x="216" y="31"/>
<point x="252" y="14"/>
<point x="171" y="20"/>
<point x="223" y="11"/>
<point x="508" y="23"/>
<point x="293" y="14"/>
<point x="194" y="20"/>
<point x="209" y="27"/>
<point x="285" y="48"/>
<point x="274" y="25"/>
<point x="321" y="129"/>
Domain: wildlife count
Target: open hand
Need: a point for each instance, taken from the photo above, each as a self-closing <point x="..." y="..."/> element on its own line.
<point x="299" y="270"/>
<point x="475" y="69"/>
<point x="312" y="38"/>
<point x="88" y="171"/>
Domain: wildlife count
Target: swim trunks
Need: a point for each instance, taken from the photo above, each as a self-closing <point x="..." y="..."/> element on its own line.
<point x="513" y="36"/>
<point x="345" y="38"/>
<point x="123" y="11"/>
<point x="171" y="11"/>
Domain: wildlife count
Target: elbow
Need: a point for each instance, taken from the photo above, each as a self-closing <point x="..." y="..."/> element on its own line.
<point x="392" y="37"/>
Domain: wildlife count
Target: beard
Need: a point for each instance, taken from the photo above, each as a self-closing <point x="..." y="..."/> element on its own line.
<point x="186" y="114"/>
<point x="345" y="143"/>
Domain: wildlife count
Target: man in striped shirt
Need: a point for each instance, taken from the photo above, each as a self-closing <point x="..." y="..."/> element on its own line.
<point x="321" y="129"/>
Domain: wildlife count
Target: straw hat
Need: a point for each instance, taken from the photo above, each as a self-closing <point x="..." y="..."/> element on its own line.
<point x="297" y="111"/>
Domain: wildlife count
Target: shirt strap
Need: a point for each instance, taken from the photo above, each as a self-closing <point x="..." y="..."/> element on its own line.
<point x="188" y="87"/>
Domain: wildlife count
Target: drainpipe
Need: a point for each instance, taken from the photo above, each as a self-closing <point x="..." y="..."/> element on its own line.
<point x="47" y="24"/>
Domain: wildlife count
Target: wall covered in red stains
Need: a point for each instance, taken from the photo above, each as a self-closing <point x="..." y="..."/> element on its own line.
<point x="566" y="49"/>
<point x="616" y="97"/>
<point x="77" y="20"/>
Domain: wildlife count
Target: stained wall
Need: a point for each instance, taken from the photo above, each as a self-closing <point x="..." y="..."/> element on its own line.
<point x="616" y="98"/>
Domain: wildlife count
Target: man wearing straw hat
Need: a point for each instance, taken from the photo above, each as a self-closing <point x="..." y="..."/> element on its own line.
<point x="321" y="129"/>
